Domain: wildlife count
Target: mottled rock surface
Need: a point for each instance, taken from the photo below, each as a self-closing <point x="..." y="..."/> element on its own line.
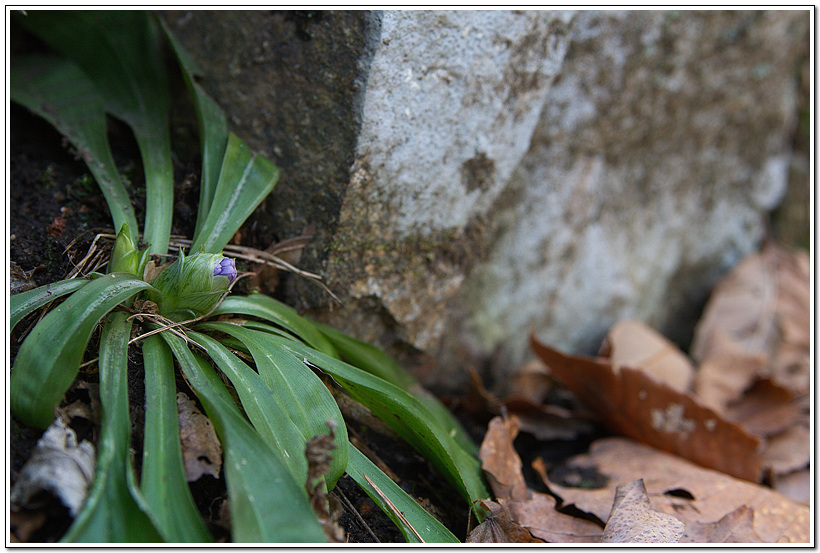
<point x="476" y="175"/>
<point x="660" y="148"/>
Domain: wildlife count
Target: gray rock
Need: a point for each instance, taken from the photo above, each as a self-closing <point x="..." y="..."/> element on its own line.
<point x="662" y="145"/>
<point x="475" y="175"/>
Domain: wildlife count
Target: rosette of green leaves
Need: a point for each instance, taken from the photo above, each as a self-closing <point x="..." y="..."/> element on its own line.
<point x="269" y="409"/>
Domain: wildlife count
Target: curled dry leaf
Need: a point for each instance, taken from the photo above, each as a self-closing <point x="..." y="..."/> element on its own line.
<point x="638" y="406"/>
<point x="753" y="345"/>
<point x="633" y="520"/>
<point x="761" y="310"/>
<point x="536" y="512"/>
<point x="697" y="496"/>
<point x="500" y="460"/>
<point x="59" y="466"/>
<point x="201" y="450"/>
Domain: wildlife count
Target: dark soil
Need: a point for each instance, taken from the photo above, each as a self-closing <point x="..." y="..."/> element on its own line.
<point x="56" y="211"/>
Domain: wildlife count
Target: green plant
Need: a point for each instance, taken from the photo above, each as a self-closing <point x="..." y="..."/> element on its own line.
<point x="111" y="63"/>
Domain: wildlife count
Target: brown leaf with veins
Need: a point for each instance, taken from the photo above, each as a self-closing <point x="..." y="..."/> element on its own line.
<point x="638" y="406"/>
<point x="633" y="520"/>
<point x="695" y="495"/>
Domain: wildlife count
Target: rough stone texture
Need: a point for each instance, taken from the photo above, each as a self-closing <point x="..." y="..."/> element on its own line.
<point x="451" y="103"/>
<point x="661" y="146"/>
<point x="475" y="175"/>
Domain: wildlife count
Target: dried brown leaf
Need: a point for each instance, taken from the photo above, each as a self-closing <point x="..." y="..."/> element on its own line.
<point x="500" y="460"/>
<point x="693" y="494"/>
<point x="636" y="405"/>
<point x="532" y="382"/>
<point x="788" y="451"/>
<point x="633" y="520"/>
<point x="201" y="450"/>
<point x="726" y="372"/>
<point x="499" y="527"/>
<point x="758" y="320"/>
<point x="795" y="485"/>
<point x="743" y="306"/>
<point x="541" y="517"/>
<point x="766" y="409"/>
<point x="632" y="343"/>
<point x="534" y="511"/>
<point x="735" y="527"/>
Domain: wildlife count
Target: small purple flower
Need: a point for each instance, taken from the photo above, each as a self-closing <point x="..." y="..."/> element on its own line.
<point x="226" y="267"/>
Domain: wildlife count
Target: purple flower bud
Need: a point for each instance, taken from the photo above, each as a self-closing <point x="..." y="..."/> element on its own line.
<point x="226" y="267"/>
<point x="191" y="286"/>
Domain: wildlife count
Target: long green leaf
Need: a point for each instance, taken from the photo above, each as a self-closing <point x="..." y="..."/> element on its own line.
<point x="300" y="393"/>
<point x="114" y="511"/>
<point x="264" y="412"/>
<point x="163" y="482"/>
<point x="121" y="52"/>
<point x="367" y="357"/>
<point x="213" y="130"/>
<point x="244" y="181"/>
<point x="29" y="301"/>
<point x="50" y="356"/>
<point x="269" y="309"/>
<point x="267" y="505"/>
<point x="58" y="91"/>
<point x="428" y="527"/>
<point x="407" y="416"/>
<point x="375" y="361"/>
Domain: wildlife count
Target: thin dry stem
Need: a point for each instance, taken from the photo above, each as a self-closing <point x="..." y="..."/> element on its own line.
<point x="96" y="257"/>
<point x="393" y="508"/>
